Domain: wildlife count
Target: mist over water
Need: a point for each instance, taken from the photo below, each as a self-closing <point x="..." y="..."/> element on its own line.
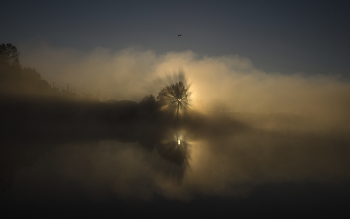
<point x="229" y="82"/>
<point x="229" y="164"/>
<point x="245" y="128"/>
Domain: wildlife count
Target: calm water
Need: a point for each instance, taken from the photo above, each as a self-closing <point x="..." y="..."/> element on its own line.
<point x="245" y="169"/>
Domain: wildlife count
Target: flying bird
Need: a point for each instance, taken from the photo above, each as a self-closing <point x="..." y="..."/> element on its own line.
<point x="180" y="35"/>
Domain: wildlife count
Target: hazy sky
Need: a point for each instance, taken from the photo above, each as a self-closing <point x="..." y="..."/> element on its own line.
<point x="277" y="36"/>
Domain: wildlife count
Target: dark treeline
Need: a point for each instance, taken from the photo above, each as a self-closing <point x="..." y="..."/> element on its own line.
<point x="17" y="80"/>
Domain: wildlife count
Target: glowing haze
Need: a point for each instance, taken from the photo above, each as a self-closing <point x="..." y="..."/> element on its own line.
<point x="230" y="83"/>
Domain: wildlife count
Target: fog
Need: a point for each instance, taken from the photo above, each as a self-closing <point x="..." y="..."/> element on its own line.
<point x="220" y="166"/>
<point x="246" y="128"/>
<point x="227" y="82"/>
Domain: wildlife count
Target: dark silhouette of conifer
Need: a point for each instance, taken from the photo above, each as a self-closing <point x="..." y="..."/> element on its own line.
<point x="9" y="54"/>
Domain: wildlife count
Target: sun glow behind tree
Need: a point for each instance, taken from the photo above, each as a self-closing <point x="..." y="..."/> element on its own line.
<point x="175" y="98"/>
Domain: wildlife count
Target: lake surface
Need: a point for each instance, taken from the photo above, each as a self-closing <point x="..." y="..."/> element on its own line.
<point x="66" y="163"/>
<point x="258" y="171"/>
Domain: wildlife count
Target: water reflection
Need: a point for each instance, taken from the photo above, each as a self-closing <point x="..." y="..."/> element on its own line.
<point x="16" y="155"/>
<point x="174" y="148"/>
<point x="112" y="155"/>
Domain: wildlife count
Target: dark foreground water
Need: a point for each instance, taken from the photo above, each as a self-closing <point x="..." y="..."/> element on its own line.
<point x="66" y="162"/>
<point x="110" y="177"/>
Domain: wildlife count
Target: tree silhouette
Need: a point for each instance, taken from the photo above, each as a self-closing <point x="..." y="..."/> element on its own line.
<point x="9" y="54"/>
<point x="175" y="97"/>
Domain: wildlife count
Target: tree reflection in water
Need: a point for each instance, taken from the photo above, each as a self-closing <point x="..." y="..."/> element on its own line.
<point x="174" y="148"/>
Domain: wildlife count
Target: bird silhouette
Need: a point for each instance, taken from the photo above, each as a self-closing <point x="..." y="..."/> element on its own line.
<point x="180" y="35"/>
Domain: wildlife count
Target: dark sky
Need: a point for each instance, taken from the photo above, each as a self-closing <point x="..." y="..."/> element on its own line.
<point x="277" y="36"/>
